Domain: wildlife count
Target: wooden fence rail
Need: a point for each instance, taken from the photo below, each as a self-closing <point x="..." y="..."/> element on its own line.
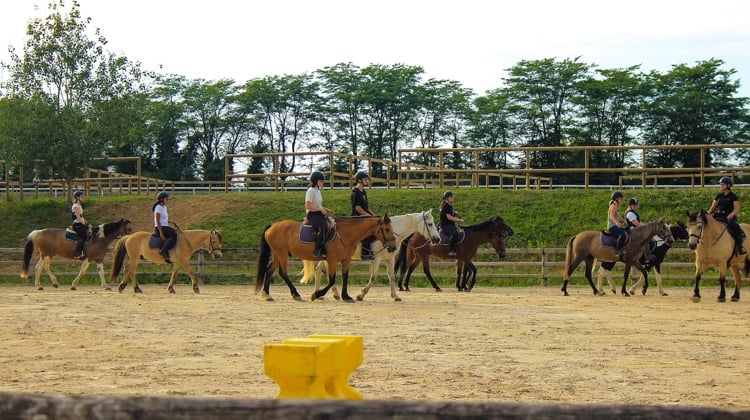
<point x="543" y="264"/>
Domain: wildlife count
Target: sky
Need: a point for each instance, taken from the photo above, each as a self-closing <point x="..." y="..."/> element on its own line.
<point x="472" y="42"/>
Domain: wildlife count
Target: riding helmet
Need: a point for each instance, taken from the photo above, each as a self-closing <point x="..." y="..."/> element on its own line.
<point x="633" y="201"/>
<point x="726" y="180"/>
<point x="616" y="195"/>
<point x="77" y="194"/>
<point x="162" y="195"/>
<point x="361" y="175"/>
<point x="317" y="176"/>
<point x="447" y="194"/>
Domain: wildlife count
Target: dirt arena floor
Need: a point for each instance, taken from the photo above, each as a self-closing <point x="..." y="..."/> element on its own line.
<point x="493" y="344"/>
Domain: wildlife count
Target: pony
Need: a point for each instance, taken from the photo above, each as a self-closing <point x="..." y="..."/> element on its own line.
<point x="51" y="242"/>
<point x="403" y="226"/>
<point x="282" y="239"/>
<point x="416" y="249"/>
<point x="587" y="245"/>
<point x="136" y="246"/>
<point x="660" y="248"/>
<point x="713" y="245"/>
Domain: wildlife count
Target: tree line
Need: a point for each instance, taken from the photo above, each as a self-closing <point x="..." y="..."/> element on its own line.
<point x="68" y="101"/>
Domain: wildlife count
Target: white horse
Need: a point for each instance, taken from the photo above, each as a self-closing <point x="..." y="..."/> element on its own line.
<point x="403" y="226"/>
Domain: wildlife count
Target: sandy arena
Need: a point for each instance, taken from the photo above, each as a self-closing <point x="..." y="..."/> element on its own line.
<point x="493" y="344"/>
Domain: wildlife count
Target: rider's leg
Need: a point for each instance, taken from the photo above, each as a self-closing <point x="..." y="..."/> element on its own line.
<point x="618" y="245"/>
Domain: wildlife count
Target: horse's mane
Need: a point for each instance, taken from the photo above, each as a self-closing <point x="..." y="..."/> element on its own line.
<point x="484" y="224"/>
<point x="111" y="227"/>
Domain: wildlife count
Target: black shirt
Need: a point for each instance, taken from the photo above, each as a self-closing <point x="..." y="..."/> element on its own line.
<point x="725" y="203"/>
<point x="359" y="198"/>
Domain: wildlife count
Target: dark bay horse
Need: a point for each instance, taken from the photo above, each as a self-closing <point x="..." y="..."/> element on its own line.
<point x="51" y="242"/>
<point x="136" y="246"/>
<point x="714" y="246"/>
<point x="403" y="226"/>
<point x="281" y="239"/>
<point x="417" y="249"/>
<point x="587" y="246"/>
<point x="679" y="233"/>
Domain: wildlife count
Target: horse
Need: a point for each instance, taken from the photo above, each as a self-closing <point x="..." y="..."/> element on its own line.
<point x="679" y="233"/>
<point x="587" y="245"/>
<point x="282" y="239"/>
<point x="416" y="249"/>
<point x="713" y="245"/>
<point x="52" y="241"/>
<point x="136" y="246"/>
<point x="403" y="226"/>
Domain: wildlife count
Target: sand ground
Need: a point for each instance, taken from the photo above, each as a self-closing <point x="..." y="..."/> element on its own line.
<point x="493" y="344"/>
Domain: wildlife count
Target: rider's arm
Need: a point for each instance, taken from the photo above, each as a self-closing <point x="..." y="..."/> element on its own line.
<point x="713" y="207"/>
<point x="613" y="216"/>
<point x="735" y="210"/>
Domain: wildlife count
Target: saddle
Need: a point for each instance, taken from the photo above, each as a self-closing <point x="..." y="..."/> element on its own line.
<point x="71" y="234"/>
<point x="154" y="241"/>
<point x="446" y="240"/>
<point x="307" y="233"/>
<point x="609" y="239"/>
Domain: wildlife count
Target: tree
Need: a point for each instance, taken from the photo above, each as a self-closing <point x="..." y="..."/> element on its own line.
<point x="67" y="80"/>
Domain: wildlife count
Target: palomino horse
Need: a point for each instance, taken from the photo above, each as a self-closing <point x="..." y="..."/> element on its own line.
<point x="714" y="246"/>
<point x="282" y="239"/>
<point x="137" y="246"/>
<point x="587" y="245"/>
<point x="417" y="249"/>
<point x="51" y="242"/>
<point x="679" y="233"/>
<point x="403" y="226"/>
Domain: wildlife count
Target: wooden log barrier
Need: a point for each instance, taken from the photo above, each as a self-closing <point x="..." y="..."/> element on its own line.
<point x="64" y="407"/>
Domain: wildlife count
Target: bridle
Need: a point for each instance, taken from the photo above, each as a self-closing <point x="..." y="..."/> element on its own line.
<point x="213" y="234"/>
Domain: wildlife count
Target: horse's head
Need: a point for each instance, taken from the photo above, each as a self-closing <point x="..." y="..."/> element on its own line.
<point x="214" y="244"/>
<point x="385" y="233"/>
<point x="498" y="242"/>
<point x="679" y="232"/>
<point x="662" y="230"/>
<point x="696" y="222"/>
<point x="428" y="228"/>
<point x="500" y="228"/>
<point x="126" y="227"/>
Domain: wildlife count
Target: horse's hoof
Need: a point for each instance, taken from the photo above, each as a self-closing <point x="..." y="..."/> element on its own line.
<point x="401" y="289"/>
<point x="696" y="299"/>
<point x="664" y="294"/>
<point x="297" y="298"/>
<point x="269" y="299"/>
<point x="171" y="290"/>
<point x="565" y="293"/>
<point x="122" y="287"/>
<point x="107" y="289"/>
<point x="438" y="290"/>
<point x="721" y="300"/>
<point x="625" y="294"/>
<point x="196" y="289"/>
<point x="644" y="292"/>
<point x="360" y="298"/>
<point x="397" y="299"/>
<point x="735" y="299"/>
<point x="55" y="285"/>
<point x="40" y="288"/>
<point x="349" y="300"/>
<point x="137" y="290"/>
<point x="72" y="288"/>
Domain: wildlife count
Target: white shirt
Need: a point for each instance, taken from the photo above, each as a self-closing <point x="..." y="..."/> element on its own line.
<point x="164" y="215"/>
<point x="314" y="196"/>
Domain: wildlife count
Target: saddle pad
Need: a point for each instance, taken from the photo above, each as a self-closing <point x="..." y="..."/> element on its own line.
<point x="445" y="240"/>
<point x="307" y="234"/>
<point x="155" y="242"/>
<point x="610" y="240"/>
<point x="71" y="235"/>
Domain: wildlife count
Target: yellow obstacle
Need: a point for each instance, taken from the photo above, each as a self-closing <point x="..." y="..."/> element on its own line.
<point x="316" y="367"/>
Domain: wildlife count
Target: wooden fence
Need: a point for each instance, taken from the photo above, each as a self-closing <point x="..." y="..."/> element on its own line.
<point x="238" y="264"/>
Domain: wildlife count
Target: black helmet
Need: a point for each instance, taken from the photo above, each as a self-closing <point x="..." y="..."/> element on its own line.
<point x="317" y="176"/>
<point x="447" y="194"/>
<point x="361" y="175"/>
<point x="77" y="194"/>
<point x="162" y="195"/>
<point x="726" y="180"/>
<point x="616" y="195"/>
<point x="633" y="201"/>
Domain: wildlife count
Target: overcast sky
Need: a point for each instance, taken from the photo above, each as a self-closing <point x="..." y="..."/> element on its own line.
<point x="472" y="42"/>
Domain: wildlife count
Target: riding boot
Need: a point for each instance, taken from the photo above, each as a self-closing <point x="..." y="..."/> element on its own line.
<point x="367" y="248"/>
<point x="164" y="252"/>
<point x="618" y="245"/>
<point x="320" y="249"/>
<point x="452" y="250"/>
<point x="738" y="247"/>
<point x="79" y="249"/>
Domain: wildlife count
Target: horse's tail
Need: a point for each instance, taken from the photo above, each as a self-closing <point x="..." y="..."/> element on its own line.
<point x="568" y="257"/>
<point x="28" y="251"/>
<point x="400" y="263"/>
<point x="118" y="257"/>
<point x="263" y="260"/>
<point x="308" y="270"/>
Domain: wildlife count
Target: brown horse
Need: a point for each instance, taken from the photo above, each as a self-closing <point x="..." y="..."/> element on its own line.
<point x="587" y="246"/>
<point x="714" y="246"/>
<point x="417" y="249"/>
<point x="281" y="239"/>
<point x="51" y="242"/>
<point x="136" y="246"/>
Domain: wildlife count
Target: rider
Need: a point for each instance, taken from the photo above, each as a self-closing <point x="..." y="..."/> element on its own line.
<point x="79" y="224"/>
<point x="360" y="207"/>
<point x="725" y="208"/>
<point x="315" y="211"/>
<point x="633" y="220"/>
<point x="615" y="221"/>
<point x="161" y="224"/>
<point x="448" y="219"/>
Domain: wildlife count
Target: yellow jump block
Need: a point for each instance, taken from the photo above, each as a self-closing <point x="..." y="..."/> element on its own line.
<point x="316" y="367"/>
